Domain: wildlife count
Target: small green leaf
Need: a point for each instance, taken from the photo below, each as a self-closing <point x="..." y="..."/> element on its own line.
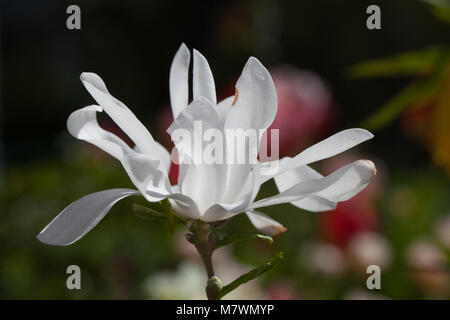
<point x="252" y="274"/>
<point x="172" y="216"/>
<point x="408" y="63"/>
<point x="226" y="239"/>
<point x="167" y="207"/>
<point x="147" y="213"/>
<point x="415" y="92"/>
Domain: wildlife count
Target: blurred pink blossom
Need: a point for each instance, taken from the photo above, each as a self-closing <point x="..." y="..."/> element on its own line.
<point x="306" y="108"/>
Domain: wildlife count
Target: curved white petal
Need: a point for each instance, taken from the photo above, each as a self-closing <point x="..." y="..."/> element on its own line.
<point x="224" y="106"/>
<point x="324" y="149"/>
<point x="315" y="204"/>
<point x="81" y="216"/>
<point x="202" y="181"/>
<point x="83" y="125"/>
<point x="145" y="174"/>
<point x="290" y="178"/>
<point x="265" y="224"/>
<point x="154" y="185"/>
<point x="226" y="210"/>
<point x="341" y="185"/>
<point x="256" y="103"/>
<point x="179" y="80"/>
<point x="254" y="109"/>
<point x="202" y="79"/>
<point x="198" y="117"/>
<point x="164" y="156"/>
<point x="119" y="113"/>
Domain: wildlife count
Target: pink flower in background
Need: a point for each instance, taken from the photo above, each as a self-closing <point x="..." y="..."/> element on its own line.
<point x="306" y="108"/>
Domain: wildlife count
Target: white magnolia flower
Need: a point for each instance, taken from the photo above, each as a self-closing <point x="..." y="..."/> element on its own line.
<point x="209" y="192"/>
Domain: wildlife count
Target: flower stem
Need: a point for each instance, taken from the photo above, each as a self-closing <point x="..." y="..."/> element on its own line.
<point x="206" y="256"/>
<point x="200" y="237"/>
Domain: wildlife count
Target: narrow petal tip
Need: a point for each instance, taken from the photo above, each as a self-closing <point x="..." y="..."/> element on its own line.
<point x="279" y="230"/>
<point x="93" y="79"/>
<point x="45" y="240"/>
<point x="257" y="68"/>
<point x="265" y="224"/>
<point x="183" y="50"/>
<point x="371" y="165"/>
<point x="183" y="46"/>
<point x="367" y="133"/>
<point x="273" y="230"/>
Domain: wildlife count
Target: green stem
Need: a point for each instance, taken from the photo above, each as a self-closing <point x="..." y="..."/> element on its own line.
<point x="205" y="247"/>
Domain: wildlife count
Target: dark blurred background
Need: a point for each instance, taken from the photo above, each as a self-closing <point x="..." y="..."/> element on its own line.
<point x="131" y="45"/>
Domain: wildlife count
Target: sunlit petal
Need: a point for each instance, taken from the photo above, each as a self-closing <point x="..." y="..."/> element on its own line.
<point x="265" y="224"/>
<point x="179" y="80"/>
<point x="83" y="125"/>
<point x="81" y="216"/>
<point x="341" y="185"/>
<point x="202" y="79"/>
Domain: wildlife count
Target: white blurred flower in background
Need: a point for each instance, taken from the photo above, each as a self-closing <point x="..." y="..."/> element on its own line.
<point x="188" y="280"/>
<point x="370" y="248"/>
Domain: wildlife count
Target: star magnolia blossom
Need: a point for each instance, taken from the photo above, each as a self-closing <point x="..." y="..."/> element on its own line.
<point x="209" y="192"/>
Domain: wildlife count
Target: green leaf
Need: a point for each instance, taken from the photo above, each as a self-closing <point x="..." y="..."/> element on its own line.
<point x="147" y="213"/>
<point x="408" y="63"/>
<point x="167" y="207"/>
<point x="415" y="92"/>
<point x="252" y="274"/>
<point x="226" y="239"/>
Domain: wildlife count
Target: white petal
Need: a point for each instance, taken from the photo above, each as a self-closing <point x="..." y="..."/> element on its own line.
<point x="224" y="106"/>
<point x="82" y="124"/>
<point x="200" y="181"/>
<point x="119" y="113"/>
<point x="315" y="204"/>
<point x="256" y="103"/>
<point x="327" y="148"/>
<point x="201" y="113"/>
<point x="255" y="109"/>
<point x="265" y="224"/>
<point x="81" y="216"/>
<point x="226" y="210"/>
<point x="185" y="206"/>
<point x="145" y="174"/>
<point x="202" y="79"/>
<point x="179" y="80"/>
<point x="154" y="185"/>
<point x="164" y="156"/>
<point x="203" y="184"/>
<point x="288" y="179"/>
<point x="341" y="185"/>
